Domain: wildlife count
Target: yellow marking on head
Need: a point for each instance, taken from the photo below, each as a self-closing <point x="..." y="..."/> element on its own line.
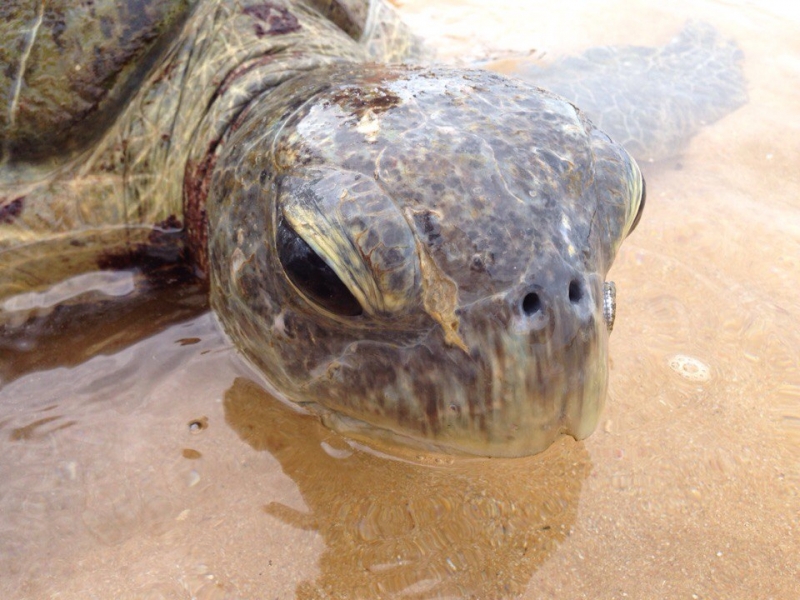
<point x="440" y="298"/>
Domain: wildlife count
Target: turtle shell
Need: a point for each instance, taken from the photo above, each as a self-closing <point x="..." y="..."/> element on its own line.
<point x="69" y="67"/>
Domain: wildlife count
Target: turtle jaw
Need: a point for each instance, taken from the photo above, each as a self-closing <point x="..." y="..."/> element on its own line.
<point x="535" y="381"/>
<point x="511" y="394"/>
<point x="540" y="382"/>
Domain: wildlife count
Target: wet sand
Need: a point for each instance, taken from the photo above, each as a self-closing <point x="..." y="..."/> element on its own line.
<point x="158" y="467"/>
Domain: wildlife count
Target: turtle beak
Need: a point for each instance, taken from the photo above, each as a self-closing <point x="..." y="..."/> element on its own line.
<point x="609" y="304"/>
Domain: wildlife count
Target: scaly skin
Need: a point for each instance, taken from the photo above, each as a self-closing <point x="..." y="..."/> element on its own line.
<point x="441" y="198"/>
<point x="465" y="222"/>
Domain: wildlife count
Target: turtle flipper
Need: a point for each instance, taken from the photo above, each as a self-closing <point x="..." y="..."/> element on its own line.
<point x="652" y="100"/>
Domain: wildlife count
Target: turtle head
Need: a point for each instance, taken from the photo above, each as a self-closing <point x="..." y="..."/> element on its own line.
<point x="424" y="251"/>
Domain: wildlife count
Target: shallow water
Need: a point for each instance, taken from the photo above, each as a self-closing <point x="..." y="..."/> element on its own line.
<point x="149" y="465"/>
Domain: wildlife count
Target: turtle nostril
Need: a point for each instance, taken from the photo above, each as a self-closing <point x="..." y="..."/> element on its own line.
<point x="531" y="304"/>
<point x="575" y="291"/>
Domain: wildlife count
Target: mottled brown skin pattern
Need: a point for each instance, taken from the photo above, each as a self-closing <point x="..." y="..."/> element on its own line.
<point x="444" y="201"/>
<point x="447" y="196"/>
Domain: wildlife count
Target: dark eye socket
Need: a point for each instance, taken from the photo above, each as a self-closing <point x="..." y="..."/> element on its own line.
<point x="312" y="275"/>
<point x="641" y="208"/>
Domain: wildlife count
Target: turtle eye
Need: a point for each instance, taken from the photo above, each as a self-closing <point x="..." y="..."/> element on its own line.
<point x="312" y="275"/>
<point x="638" y="216"/>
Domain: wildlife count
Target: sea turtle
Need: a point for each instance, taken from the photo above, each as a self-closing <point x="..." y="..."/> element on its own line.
<point x="422" y="249"/>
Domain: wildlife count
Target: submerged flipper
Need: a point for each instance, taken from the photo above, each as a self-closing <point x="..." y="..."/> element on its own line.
<point x="651" y="100"/>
